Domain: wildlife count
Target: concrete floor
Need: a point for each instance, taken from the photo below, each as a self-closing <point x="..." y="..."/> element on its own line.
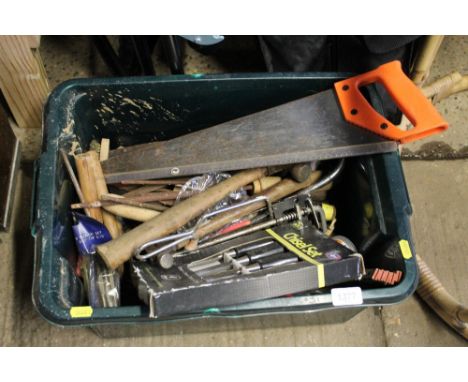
<point x="440" y="202"/>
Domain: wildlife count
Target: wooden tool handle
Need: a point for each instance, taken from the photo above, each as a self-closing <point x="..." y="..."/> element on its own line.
<point x="116" y="252"/>
<point x="105" y="147"/>
<point x="278" y="191"/>
<point x="424" y="59"/>
<point x="119" y="199"/>
<point x="93" y="185"/>
<point x="85" y="170"/>
<point x="437" y="89"/>
<point x="143" y="190"/>
<point x="264" y="183"/>
<point x="436" y="296"/>
<point x="156" y="196"/>
<point x="94" y="178"/>
<point x="446" y="86"/>
<point x="131" y="212"/>
<point x="300" y="172"/>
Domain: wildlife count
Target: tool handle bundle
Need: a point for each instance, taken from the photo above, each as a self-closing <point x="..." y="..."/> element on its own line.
<point x="117" y="251"/>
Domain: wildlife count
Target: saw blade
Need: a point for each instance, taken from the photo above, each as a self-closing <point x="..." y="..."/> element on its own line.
<point x="307" y="129"/>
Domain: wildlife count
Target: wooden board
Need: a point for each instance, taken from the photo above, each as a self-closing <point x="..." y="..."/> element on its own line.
<point x="23" y="80"/>
<point x="9" y="159"/>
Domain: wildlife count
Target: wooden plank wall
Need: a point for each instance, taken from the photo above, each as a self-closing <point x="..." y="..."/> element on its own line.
<point x="23" y="80"/>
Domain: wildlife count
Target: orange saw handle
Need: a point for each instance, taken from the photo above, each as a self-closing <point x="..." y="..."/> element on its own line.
<point x="406" y="95"/>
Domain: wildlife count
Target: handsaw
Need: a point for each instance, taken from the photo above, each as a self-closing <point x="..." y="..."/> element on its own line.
<point x="336" y="123"/>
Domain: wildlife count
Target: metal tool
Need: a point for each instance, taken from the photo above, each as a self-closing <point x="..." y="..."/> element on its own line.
<point x="325" y="180"/>
<point x="117" y="251"/>
<point x="320" y="218"/>
<point x="272" y="262"/>
<point x="217" y="259"/>
<point x="343" y="240"/>
<point x="281" y="212"/>
<point x="261" y="264"/>
<point x="164" y="258"/>
<point x="281" y="215"/>
<point x="320" y="126"/>
<point x="233" y="263"/>
<point x="288" y="216"/>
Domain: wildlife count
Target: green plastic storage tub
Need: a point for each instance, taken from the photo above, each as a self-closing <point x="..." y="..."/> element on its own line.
<point x="371" y="197"/>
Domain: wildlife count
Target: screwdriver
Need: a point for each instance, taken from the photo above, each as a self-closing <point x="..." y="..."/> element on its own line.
<point x="244" y="260"/>
<point x="203" y="264"/>
<point x="267" y="263"/>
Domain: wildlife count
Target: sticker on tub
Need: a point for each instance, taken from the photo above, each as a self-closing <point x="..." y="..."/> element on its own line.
<point x="346" y="296"/>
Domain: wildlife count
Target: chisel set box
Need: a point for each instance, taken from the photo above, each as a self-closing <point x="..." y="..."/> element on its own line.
<point x="167" y="198"/>
<point x="260" y="266"/>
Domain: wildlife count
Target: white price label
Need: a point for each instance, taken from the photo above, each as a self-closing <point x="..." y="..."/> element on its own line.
<point x="346" y="296"/>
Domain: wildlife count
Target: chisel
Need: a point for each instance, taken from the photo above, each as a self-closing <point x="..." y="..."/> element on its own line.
<point x="244" y="260"/>
<point x="210" y="262"/>
<point x="261" y="264"/>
